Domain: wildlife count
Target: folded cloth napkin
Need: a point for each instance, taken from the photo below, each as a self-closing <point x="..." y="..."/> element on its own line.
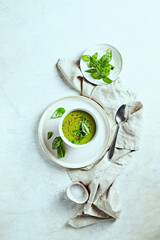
<point x="103" y="202"/>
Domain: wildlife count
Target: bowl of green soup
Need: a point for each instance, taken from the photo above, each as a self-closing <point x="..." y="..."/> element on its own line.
<point x="78" y="128"/>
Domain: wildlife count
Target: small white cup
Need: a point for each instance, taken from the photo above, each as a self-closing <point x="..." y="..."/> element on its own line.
<point x="70" y="143"/>
<point x="71" y="193"/>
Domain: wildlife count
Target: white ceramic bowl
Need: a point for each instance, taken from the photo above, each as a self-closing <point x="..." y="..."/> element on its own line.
<point x="74" y="157"/>
<point x="70" y="143"/>
<point x="77" y="193"/>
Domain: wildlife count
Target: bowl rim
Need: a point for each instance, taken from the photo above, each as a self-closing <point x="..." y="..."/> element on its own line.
<point x="66" y="140"/>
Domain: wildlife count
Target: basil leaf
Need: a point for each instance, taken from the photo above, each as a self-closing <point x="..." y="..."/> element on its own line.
<point x="107" y="80"/>
<point x="94" y="62"/>
<point x="74" y="132"/>
<point x="106" y="71"/>
<point x="74" y="140"/>
<point x="105" y="63"/>
<point x="108" y="68"/>
<point x="77" y="132"/>
<point x="106" y="57"/>
<point x="56" y="142"/>
<point x="90" y="65"/>
<point x="81" y="137"/>
<point x="95" y="55"/>
<point x="85" y="58"/>
<point x="106" y="74"/>
<point x="85" y="129"/>
<point x="58" y="113"/>
<point x="112" y="67"/>
<point x="92" y="70"/>
<point x="49" y="135"/>
<point x="85" y="120"/>
<point x="96" y="76"/>
<point x="61" y="151"/>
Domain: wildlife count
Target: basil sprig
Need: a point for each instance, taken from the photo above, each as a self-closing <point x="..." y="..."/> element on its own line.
<point x="82" y="131"/>
<point x="57" y="144"/>
<point x="99" y="69"/>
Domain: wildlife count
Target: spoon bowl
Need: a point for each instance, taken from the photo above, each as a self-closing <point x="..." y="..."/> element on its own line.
<point x="121" y="114"/>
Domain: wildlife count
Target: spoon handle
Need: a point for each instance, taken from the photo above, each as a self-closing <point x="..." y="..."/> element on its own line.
<point x="112" y="147"/>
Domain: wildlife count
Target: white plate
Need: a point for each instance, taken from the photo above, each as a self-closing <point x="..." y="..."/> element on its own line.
<point x="74" y="158"/>
<point x="102" y="49"/>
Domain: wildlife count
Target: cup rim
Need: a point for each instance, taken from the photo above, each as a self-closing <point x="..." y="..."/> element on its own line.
<point x="66" y="140"/>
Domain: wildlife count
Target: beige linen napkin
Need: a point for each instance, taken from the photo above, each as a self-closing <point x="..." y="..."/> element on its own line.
<point x="103" y="201"/>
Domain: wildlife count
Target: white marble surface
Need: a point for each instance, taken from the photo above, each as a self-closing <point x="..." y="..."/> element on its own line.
<point x="33" y="35"/>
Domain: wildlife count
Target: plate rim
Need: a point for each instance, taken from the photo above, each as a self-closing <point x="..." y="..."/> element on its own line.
<point x="94" y="81"/>
<point x="53" y="159"/>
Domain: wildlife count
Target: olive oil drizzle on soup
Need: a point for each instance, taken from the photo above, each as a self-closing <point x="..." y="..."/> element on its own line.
<point x="72" y="130"/>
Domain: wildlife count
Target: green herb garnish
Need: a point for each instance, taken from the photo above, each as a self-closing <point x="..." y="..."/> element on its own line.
<point x="82" y="131"/>
<point x="85" y="120"/>
<point x="49" y="135"/>
<point x="79" y="134"/>
<point x="58" y="113"/>
<point x="61" y="151"/>
<point x="99" y="68"/>
<point x="56" y="142"/>
<point x="74" y="140"/>
<point x="84" y="128"/>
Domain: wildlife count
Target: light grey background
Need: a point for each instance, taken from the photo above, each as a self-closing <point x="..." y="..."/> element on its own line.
<point x="33" y="35"/>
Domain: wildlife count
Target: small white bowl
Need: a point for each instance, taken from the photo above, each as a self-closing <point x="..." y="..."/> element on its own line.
<point x="70" y="143"/>
<point x="77" y="193"/>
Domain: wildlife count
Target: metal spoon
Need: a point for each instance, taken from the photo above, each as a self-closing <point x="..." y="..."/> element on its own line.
<point x="121" y="116"/>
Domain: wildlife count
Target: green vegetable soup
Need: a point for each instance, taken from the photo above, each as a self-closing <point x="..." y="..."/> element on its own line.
<point x="79" y="127"/>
